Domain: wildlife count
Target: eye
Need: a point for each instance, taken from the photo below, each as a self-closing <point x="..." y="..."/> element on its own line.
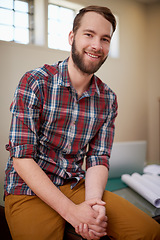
<point x="106" y="40"/>
<point x="88" y="34"/>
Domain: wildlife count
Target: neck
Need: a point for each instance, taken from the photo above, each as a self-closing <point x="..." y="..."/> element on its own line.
<point x="80" y="81"/>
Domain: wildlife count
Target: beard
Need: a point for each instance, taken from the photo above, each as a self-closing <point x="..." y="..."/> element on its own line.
<point x="80" y="63"/>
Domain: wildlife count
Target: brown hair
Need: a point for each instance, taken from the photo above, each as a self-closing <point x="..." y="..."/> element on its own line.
<point x="104" y="11"/>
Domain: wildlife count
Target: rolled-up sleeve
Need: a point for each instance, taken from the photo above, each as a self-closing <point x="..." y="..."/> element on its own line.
<point x="101" y="145"/>
<point x="25" y="123"/>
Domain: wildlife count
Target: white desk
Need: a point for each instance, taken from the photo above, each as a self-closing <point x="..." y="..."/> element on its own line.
<point x="138" y="201"/>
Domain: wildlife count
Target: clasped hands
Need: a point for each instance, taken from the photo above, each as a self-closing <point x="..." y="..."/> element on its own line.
<point x="92" y="219"/>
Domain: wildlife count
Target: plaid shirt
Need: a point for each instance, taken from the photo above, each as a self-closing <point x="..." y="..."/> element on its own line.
<point x="55" y="128"/>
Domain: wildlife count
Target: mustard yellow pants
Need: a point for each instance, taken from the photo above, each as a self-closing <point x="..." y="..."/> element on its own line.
<point x="29" y="218"/>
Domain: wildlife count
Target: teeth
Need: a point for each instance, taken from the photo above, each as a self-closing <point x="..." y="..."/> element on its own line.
<point x="89" y="54"/>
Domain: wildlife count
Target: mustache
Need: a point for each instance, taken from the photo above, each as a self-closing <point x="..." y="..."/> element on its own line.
<point x="99" y="52"/>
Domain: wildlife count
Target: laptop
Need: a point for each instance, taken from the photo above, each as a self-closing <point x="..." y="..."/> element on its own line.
<point x="127" y="158"/>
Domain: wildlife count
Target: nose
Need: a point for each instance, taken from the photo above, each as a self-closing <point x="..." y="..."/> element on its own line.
<point x="96" y="44"/>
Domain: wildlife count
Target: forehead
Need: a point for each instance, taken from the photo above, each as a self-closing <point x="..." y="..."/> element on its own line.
<point x="95" y="21"/>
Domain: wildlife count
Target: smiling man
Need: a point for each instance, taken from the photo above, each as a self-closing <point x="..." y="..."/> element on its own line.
<point x="61" y="114"/>
<point x="90" y="44"/>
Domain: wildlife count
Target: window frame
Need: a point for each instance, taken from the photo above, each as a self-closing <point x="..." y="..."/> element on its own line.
<point x="30" y="26"/>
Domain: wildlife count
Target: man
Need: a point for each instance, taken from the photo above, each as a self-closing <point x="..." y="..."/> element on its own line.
<point x="61" y="114"/>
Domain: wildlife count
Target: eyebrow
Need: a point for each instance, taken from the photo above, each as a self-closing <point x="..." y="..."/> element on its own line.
<point x="91" y="31"/>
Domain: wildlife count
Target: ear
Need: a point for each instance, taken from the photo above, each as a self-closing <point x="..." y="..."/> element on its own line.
<point x="70" y="37"/>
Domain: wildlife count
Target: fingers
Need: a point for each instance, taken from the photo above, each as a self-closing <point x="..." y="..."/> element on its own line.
<point x="93" y="235"/>
<point x="92" y="219"/>
<point x="95" y="201"/>
<point x="98" y="229"/>
<point x="102" y="218"/>
<point x="87" y="233"/>
<point x="98" y="206"/>
<point x="101" y="210"/>
<point x="96" y="235"/>
<point x="83" y="230"/>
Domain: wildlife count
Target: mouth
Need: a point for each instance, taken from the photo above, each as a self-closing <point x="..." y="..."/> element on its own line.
<point x="92" y="55"/>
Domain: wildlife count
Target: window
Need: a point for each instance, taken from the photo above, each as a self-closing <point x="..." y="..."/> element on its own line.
<point x="114" y="48"/>
<point x="16" y="21"/>
<point x="60" y="22"/>
<point x="19" y="23"/>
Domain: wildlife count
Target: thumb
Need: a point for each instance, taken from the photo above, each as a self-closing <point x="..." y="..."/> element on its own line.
<point x="95" y="201"/>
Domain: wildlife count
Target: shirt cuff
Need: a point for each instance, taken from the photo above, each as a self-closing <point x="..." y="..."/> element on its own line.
<point x="97" y="160"/>
<point x="22" y="151"/>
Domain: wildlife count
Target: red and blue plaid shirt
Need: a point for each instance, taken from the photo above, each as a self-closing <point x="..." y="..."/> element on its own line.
<point x="55" y="128"/>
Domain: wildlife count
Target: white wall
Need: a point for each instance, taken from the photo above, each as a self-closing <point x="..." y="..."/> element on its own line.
<point x="134" y="76"/>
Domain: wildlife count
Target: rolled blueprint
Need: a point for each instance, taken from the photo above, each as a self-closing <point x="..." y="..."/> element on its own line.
<point x="146" y="187"/>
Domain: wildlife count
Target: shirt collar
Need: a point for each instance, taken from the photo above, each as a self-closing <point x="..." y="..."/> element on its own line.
<point x="65" y="80"/>
<point x="94" y="86"/>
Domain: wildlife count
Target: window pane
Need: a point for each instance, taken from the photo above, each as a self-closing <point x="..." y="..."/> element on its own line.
<point x="6" y="3"/>
<point x="21" y="35"/>
<point x="6" y="16"/>
<point x="58" y="42"/>
<point x="59" y="25"/>
<point x="21" y="20"/>
<point x="52" y="26"/>
<point x="66" y="29"/>
<point x="6" y="33"/>
<point x="66" y="14"/>
<point x="21" y="6"/>
<point x="52" y="41"/>
<point x="63" y="44"/>
<point x="53" y="11"/>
